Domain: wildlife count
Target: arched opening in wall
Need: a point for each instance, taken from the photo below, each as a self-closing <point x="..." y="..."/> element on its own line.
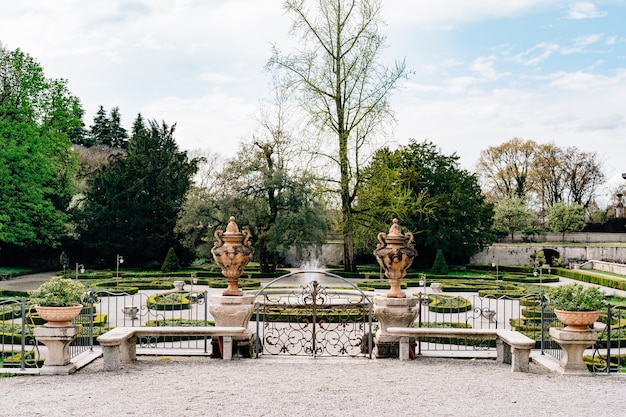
<point x="552" y="256"/>
<point x="546" y="257"/>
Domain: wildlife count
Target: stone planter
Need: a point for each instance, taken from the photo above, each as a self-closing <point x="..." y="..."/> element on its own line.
<point x="179" y="285"/>
<point x="58" y="316"/>
<point x="130" y="312"/>
<point x="577" y="321"/>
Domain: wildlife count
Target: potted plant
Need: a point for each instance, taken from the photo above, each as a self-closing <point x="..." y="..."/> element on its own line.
<point x="58" y="301"/>
<point x="577" y="306"/>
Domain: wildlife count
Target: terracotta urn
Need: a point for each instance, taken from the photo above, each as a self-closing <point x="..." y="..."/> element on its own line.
<point x="58" y="316"/>
<point x="232" y="251"/>
<point x="395" y="257"/>
<point x="577" y="321"/>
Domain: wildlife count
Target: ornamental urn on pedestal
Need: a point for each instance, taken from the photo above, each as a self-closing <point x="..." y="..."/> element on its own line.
<point x="394" y="257"/>
<point x="232" y="251"/>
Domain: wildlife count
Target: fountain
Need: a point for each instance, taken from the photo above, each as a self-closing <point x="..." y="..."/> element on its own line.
<point x="394" y="309"/>
<point x="232" y="251"/>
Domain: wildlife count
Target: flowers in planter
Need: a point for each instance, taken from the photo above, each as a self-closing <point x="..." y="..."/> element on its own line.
<point x="576" y="297"/>
<point x="58" y="292"/>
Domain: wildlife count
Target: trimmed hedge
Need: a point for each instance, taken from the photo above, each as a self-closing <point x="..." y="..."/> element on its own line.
<point x="591" y="277"/>
<point x="448" y="304"/>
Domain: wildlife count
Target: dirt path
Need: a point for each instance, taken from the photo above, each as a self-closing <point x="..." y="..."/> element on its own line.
<point x="26" y="282"/>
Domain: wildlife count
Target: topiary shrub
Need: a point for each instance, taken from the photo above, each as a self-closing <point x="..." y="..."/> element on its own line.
<point x="171" y="262"/>
<point x="440" y="267"/>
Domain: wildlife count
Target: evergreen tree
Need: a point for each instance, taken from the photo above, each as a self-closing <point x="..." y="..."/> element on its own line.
<point x="440" y="267"/>
<point x="99" y="131"/>
<point x="133" y="202"/>
<point x="171" y="263"/>
<point x="118" y="136"/>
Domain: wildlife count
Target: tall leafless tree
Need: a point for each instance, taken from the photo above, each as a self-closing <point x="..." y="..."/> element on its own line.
<point x="342" y="85"/>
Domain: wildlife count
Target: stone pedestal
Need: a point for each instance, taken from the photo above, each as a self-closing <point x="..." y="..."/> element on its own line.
<point x="573" y="345"/>
<point x="57" y="341"/>
<point x="392" y="312"/>
<point x="234" y="311"/>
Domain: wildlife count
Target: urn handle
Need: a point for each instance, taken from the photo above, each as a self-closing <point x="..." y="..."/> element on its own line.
<point x="382" y="236"/>
<point x="218" y="238"/>
<point x="247" y="235"/>
<point x="409" y="235"/>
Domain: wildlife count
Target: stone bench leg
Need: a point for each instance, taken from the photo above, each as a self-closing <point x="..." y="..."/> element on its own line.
<point x="111" y="358"/>
<point x="504" y="351"/>
<point x="518" y="358"/>
<point x="114" y="356"/>
<point x="227" y="342"/>
<point x="129" y="350"/>
<point x="404" y="348"/>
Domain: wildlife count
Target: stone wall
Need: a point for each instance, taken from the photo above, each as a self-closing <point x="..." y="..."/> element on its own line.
<point x="581" y="237"/>
<point x="504" y="254"/>
<point x="605" y="266"/>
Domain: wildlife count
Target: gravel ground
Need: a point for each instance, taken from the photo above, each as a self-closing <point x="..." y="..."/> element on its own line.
<point x="183" y="386"/>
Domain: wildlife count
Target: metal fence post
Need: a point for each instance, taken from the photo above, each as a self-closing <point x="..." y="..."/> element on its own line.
<point x="608" y="339"/>
<point x="23" y="360"/>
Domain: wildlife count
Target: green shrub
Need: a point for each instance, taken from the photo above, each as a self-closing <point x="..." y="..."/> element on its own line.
<point x="171" y="262"/>
<point x="576" y="297"/>
<point x="440" y="267"/>
<point x="58" y="292"/>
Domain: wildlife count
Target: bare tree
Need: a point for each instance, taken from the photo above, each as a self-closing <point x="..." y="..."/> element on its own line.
<point x="548" y="175"/>
<point x="505" y="169"/>
<point x="342" y="86"/>
<point x="583" y="175"/>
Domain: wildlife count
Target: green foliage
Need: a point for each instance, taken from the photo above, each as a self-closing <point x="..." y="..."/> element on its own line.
<point x="448" y="304"/>
<point x="171" y="263"/>
<point x="133" y="202"/>
<point x="440" y="267"/>
<point x="592" y="278"/>
<point x="511" y="214"/>
<point x="576" y="297"/>
<point x="58" y="292"/>
<point x="177" y="300"/>
<point x="38" y="117"/>
<point x="566" y="217"/>
<point x="280" y="207"/>
<point x="449" y="213"/>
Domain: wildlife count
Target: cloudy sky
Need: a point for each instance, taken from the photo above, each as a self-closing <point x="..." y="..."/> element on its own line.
<point x="484" y="71"/>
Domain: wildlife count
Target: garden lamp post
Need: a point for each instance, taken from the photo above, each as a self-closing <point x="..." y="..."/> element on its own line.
<point x="119" y="259"/>
<point x="79" y="268"/>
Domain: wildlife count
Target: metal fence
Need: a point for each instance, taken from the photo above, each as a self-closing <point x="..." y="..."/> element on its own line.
<point x="101" y="312"/>
<point x="610" y="351"/>
<point x="531" y="315"/>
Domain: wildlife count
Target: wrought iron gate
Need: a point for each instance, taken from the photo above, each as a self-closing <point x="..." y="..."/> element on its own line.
<point x="313" y="319"/>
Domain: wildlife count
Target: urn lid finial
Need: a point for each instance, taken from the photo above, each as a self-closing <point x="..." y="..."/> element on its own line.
<point x="232" y="227"/>
<point x="394" y="230"/>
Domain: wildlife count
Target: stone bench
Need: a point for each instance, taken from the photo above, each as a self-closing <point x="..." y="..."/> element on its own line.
<point x="119" y="345"/>
<point x="512" y="347"/>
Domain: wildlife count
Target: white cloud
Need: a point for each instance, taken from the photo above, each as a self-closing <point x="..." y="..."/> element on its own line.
<point x="219" y="78"/>
<point x="217" y="121"/>
<point x="536" y="54"/>
<point x="585" y="10"/>
<point x="438" y="12"/>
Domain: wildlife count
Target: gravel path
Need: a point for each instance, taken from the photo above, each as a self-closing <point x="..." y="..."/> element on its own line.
<point x="434" y="387"/>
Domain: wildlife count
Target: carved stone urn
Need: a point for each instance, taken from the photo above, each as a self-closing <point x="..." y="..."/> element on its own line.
<point x="232" y="252"/>
<point x="395" y="257"/>
<point x="394" y="309"/>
